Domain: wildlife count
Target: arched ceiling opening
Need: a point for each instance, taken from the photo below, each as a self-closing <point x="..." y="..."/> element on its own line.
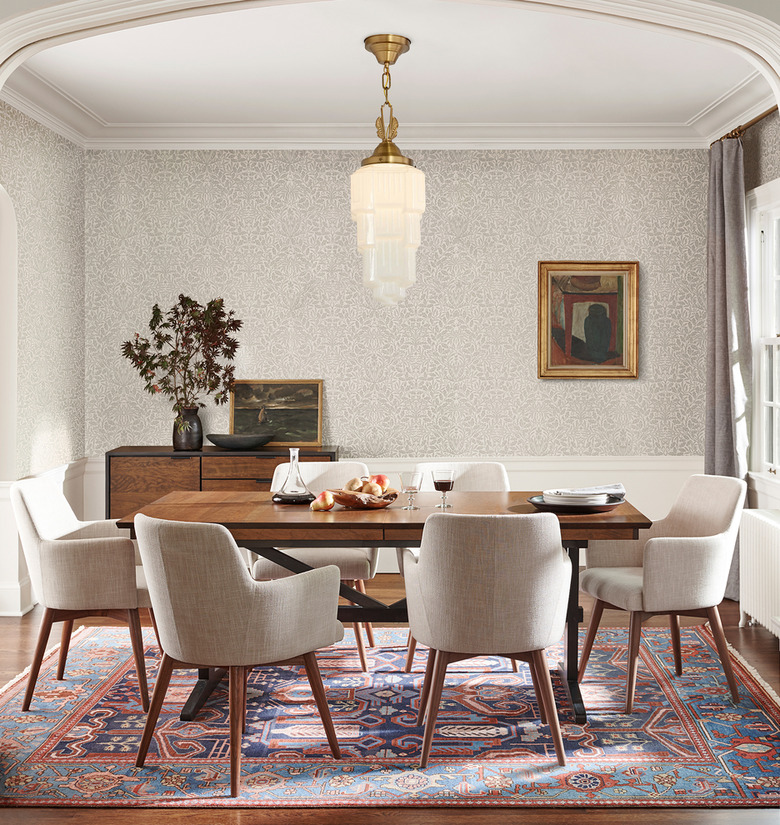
<point x="521" y="73"/>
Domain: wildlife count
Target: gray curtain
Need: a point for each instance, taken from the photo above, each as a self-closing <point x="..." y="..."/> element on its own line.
<point x="729" y="348"/>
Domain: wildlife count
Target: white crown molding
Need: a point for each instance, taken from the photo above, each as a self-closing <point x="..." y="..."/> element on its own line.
<point x="734" y="108"/>
<point x="46" y="103"/>
<point x="754" y="37"/>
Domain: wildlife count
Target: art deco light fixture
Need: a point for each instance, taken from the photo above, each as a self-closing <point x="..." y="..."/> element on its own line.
<point x="388" y="195"/>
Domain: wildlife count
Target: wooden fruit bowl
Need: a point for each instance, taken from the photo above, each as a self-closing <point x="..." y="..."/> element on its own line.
<point x="364" y="501"/>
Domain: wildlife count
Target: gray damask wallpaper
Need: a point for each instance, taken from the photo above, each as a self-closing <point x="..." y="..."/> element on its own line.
<point x="452" y="370"/>
<point x="762" y="152"/>
<point x="44" y="175"/>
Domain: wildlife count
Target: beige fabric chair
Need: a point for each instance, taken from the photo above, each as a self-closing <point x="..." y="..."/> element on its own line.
<point x="78" y="569"/>
<point x="493" y="585"/>
<point x="470" y="476"/>
<point x="678" y="568"/>
<point x="355" y="564"/>
<point x="211" y="613"/>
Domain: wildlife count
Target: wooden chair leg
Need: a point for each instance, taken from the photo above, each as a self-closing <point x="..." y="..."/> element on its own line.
<point x="514" y="665"/>
<point x="137" y="643"/>
<point x="410" y="654"/>
<point x="318" y="689"/>
<point x="247" y="673"/>
<point x="156" y="631"/>
<point x="437" y="684"/>
<point x="360" y="586"/>
<point x="358" y="630"/>
<point x="236" y="686"/>
<point x="67" y="630"/>
<point x="548" y="699"/>
<point x="590" y="636"/>
<point x="674" y="629"/>
<point x="634" y="637"/>
<point x="40" y="648"/>
<point x="538" y="692"/>
<point x="426" y="687"/>
<point x="361" y="648"/>
<point x="723" y="649"/>
<point x="158" y="697"/>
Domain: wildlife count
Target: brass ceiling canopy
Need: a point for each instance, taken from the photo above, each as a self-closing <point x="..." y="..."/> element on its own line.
<point x="387" y="48"/>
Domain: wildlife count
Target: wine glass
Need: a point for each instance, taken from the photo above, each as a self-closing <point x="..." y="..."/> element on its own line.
<point x="410" y="484"/>
<point x="443" y="481"/>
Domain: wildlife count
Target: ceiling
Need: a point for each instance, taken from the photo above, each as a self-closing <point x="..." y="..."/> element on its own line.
<point x="479" y="74"/>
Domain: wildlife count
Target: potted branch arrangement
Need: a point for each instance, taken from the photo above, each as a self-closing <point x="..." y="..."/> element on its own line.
<point x="184" y="358"/>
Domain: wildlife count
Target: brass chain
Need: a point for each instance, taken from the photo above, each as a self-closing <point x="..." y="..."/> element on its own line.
<point x="386" y="82"/>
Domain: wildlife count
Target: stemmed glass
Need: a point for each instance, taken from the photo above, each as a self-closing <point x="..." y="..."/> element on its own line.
<point x="443" y="481"/>
<point x="410" y="484"/>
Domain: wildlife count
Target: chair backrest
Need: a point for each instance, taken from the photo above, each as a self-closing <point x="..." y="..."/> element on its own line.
<point x="706" y="506"/>
<point x="200" y="589"/>
<point x="42" y="513"/>
<point x="489" y="584"/>
<point x="321" y="475"/>
<point x="470" y="476"/>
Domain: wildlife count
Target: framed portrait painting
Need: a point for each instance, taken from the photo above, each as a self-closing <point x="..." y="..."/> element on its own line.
<point x="291" y="409"/>
<point x="588" y="319"/>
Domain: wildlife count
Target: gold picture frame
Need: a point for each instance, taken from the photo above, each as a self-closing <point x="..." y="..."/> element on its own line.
<point x="588" y="319"/>
<point x="292" y="409"/>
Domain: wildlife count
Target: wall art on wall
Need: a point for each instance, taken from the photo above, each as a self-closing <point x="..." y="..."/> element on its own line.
<point x="291" y="409"/>
<point x="588" y="319"/>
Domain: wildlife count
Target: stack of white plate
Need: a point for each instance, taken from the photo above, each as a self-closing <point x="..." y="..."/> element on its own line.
<point x="572" y="498"/>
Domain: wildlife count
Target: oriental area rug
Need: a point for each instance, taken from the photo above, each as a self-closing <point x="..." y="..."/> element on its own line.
<point x="686" y="744"/>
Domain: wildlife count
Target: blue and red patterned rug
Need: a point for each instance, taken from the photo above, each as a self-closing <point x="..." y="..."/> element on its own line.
<point x="686" y="744"/>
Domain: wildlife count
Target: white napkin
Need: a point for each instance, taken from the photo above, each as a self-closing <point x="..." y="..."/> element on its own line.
<point x="609" y="489"/>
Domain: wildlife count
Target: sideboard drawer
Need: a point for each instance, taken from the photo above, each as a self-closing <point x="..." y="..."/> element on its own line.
<point x="135" y="482"/>
<point x="241" y="466"/>
<point x="247" y="485"/>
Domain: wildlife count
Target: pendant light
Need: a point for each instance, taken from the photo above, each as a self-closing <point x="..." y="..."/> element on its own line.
<point x="388" y="195"/>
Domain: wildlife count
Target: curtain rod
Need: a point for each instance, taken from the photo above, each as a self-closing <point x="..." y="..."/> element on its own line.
<point x="740" y="130"/>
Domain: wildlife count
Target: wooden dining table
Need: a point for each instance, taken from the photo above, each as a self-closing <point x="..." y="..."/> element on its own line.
<point x="262" y="527"/>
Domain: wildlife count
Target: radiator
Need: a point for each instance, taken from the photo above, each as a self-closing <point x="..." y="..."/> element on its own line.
<point x="759" y="568"/>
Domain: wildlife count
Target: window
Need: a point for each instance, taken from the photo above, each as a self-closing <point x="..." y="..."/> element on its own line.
<point x="763" y="206"/>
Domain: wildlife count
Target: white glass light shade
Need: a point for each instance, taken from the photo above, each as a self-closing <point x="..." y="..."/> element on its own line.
<point x="387" y="202"/>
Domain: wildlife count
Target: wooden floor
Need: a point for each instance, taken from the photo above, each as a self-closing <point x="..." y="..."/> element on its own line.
<point x="757" y="646"/>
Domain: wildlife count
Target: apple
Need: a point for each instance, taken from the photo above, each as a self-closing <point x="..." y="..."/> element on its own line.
<point x="372" y="488"/>
<point x="382" y="480"/>
<point x="324" y="501"/>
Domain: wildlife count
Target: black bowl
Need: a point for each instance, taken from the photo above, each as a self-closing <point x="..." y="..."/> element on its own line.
<point x="249" y="441"/>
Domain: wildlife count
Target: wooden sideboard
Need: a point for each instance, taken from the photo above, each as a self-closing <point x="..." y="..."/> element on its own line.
<point x="136" y="476"/>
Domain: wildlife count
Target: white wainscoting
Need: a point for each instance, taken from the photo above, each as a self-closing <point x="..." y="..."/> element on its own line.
<point x="651" y="482"/>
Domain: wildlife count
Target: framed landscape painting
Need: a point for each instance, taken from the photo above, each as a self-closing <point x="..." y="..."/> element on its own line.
<point x="291" y="409"/>
<point x="588" y="319"/>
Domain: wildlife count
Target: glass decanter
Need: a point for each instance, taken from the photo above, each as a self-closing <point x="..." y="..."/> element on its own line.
<point x="293" y="491"/>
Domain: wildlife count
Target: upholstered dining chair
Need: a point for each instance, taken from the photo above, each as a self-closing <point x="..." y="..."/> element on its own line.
<point x="678" y="568"/>
<point x="356" y="564"/>
<point x="488" y="585"/>
<point x="470" y="476"/>
<point x="78" y="569"/>
<point x="212" y="613"/>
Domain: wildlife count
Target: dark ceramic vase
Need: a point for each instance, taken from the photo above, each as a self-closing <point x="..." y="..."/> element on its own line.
<point x="190" y="436"/>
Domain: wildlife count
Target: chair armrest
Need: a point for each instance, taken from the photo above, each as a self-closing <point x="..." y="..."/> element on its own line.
<point x="88" y="574"/>
<point x="97" y="530"/>
<point x="295" y="615"/>
<point x="686" y="573"/>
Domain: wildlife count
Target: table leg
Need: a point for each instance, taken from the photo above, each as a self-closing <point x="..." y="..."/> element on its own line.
<point x="568" y="667"/>
<point x="208" y="679"/>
